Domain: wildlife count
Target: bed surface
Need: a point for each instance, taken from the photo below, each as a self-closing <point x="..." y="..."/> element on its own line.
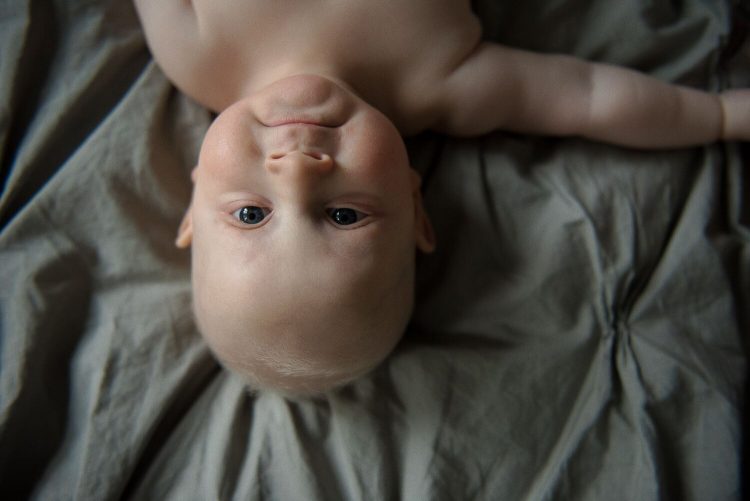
<point x="580" y="333"/>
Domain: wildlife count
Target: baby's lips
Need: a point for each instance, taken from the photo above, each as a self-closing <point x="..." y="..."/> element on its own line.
<point x="298" y="120"/>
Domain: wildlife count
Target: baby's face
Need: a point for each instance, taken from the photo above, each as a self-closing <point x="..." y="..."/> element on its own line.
<point x="304" y="222"/>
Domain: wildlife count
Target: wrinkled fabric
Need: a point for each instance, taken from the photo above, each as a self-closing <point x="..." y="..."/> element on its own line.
<point x="580" y="332"/>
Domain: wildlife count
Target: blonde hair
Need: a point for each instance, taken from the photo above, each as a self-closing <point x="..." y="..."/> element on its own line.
<point x="294" y="376"/>
<point x="250" y="348"/>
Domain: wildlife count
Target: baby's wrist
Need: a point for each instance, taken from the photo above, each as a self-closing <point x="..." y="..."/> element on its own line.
<point x="723" y="116"/>
<point x="735" y="115"/>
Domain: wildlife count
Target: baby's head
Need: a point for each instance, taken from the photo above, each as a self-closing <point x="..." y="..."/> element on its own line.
<point x="304" y="224"/>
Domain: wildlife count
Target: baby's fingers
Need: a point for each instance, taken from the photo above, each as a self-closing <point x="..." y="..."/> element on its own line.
<point x="736" y="115"/>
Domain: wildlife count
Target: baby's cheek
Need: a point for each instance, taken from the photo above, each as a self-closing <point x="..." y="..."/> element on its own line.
<point x="231" y="144"/>
<point x="385" y="170"/>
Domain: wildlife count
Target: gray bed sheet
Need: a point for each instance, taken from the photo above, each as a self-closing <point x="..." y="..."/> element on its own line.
<point x="580" y="333"/>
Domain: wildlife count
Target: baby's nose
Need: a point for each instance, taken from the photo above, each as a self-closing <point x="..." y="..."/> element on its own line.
<point x="299" y="163"/>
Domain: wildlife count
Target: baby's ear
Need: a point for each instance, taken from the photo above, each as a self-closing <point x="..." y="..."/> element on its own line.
<point x="425" y="235"/>
<point x="185" y="232"/>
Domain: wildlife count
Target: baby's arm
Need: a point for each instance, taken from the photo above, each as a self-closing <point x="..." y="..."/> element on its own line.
<point x="503" y="88"/>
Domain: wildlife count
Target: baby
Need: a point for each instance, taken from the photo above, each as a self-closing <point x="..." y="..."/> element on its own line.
<point x="306" y="216"/>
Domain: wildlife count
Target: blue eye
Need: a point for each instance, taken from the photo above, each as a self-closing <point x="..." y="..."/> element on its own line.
<point x="345" y="216"/>
<point x="251" y="215"/>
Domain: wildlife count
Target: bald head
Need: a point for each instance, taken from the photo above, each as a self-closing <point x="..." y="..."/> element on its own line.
<point x="303" y="325"/>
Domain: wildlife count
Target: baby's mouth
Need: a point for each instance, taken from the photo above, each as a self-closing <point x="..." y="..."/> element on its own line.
<point x="316" y="155"/>
<point x="297" y="134"/>
<point x="298" y="121"/>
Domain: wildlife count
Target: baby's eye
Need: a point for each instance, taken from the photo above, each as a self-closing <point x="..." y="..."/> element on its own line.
<point x="343" y="216"/>
<point x="251" y="214"/>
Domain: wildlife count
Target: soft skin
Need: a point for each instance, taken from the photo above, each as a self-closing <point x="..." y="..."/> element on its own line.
<point x="296" y="301"/>
<point x="311" y="97"/>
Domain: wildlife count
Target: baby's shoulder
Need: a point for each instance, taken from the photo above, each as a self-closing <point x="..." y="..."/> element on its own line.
<point x="408" y="51"/>
<point x="177" y="40"/>
<point x="392" y="51"/>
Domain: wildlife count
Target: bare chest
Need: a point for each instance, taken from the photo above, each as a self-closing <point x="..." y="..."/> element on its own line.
<point x="385" y="49"/>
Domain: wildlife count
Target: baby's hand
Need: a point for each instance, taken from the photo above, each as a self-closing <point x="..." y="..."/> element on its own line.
<point x="736" y="109"/>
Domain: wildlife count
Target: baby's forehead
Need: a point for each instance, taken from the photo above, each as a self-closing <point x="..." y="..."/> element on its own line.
<point x="313" y="274"/>
<point x="291" y="299"/>
<point x="296" y="284"/>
